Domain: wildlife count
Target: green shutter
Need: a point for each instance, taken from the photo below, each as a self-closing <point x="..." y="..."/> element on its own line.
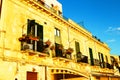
<point x="100" y="60"/>
<point x="103" y="64"/>
<point x="106" y="59"/>
<point x="31" y="29"/>
<point x="40" y="36"/>
<point x="31" y="24"/>
<point x="77" y="47"/>
<point x="91" y="56"/>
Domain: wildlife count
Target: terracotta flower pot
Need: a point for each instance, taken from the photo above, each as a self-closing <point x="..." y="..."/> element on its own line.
<point x="33" y="38"/>
<point x="25" y="38"/>
<point x="70" y="50"/>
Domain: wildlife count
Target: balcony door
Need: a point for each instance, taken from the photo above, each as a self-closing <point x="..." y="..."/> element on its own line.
<point x="35" y="30"/>
<point x="101" y="59"/>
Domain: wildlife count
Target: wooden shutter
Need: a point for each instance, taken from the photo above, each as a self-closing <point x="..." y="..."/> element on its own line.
<point x="77" y="46"/>
<point x="40" y="37"/>
<point x="103" y="64"/>
<point x="35" y="30"/>
<point x="91" y="56"/>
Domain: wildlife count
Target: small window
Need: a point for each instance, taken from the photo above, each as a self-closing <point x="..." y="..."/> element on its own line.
<point x="57" y="32"/>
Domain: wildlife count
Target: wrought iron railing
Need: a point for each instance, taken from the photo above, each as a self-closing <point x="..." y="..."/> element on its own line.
<point x="96" y="62"/>
<point x="83" y="59"/>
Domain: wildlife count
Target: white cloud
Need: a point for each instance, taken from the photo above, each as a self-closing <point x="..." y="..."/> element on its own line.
<point x="115" y="30"/>
<point x="111" y="40"/>
<point x="118" y="28"/>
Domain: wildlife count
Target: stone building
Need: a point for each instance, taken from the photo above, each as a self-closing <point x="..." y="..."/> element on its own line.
<point x="38" y="43"/>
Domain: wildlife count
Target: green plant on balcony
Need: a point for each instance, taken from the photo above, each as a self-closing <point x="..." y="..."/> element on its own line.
<point x="96" y="62"/>
<point x="68" y="53"/>
<point x="47" y="47"/>
<point x="59" y="50"/>
<point x="79" y="56"/>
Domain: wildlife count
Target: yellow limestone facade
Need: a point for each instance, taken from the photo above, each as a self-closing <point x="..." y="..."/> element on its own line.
<point x="19" y="63"/>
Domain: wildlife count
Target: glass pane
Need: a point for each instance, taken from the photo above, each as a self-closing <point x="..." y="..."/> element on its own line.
<point x="58" y="33"/>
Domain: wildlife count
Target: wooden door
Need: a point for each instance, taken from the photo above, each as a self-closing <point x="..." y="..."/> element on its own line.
<point x="31" y="76"/>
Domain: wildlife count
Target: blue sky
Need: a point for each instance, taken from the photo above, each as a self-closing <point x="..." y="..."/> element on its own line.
<point x="100" y="17"/>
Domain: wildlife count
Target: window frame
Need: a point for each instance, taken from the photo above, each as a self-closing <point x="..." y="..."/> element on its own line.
<point x="57" y="32"/>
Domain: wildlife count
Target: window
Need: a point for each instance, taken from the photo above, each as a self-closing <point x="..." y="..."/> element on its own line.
<point x="57" y="36"/>
<point x="101" y="59"/>
<point x="57" y="32"/>
<point x="35" y="30"/>
<point x="33" y="40"/>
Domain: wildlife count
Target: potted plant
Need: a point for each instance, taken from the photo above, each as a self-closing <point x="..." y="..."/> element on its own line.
<point x="69" y="50"/>
<point x="25" y="38"/>
<point x="68" y="53"/>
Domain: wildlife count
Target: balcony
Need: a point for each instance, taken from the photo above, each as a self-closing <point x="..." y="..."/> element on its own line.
<point x="70" y="65"/>
<point x="102" y="64"/>
<point x="97" y="69"/>
<point x="63" y="60"/>
<point x="109" y="66"/>
<point x="96" y="62"/>
<point x="83" y="59"/>
<point x="28" y="45"/>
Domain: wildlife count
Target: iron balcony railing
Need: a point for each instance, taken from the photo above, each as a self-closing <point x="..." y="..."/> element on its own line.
<point x="83" y="59"/>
